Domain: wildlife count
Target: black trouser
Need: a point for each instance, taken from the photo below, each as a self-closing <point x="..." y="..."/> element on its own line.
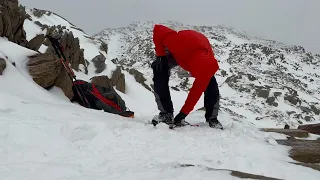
<point x="163" y="97"/>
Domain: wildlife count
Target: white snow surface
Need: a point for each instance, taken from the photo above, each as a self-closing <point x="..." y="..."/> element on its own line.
<point x="43" y="136"/>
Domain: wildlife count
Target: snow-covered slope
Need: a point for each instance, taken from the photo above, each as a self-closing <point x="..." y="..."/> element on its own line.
<point x="260" y="80"/>
<point x="43" y="136"/>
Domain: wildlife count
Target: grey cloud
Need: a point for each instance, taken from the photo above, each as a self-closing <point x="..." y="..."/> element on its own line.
<point x="293" y="22"/>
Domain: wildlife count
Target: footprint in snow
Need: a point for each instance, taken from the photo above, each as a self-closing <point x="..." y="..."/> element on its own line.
<point x="83" y="133"/>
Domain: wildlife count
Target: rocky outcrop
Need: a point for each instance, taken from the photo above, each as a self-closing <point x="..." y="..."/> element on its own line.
<point x="39" y="13"/>
<point x="103" y="81"/>
<point x="64" y="82"/>
<point x="139" y="77"/>
<point x="311" y="128"/>
<point x="47" y="71"/>
<point x="12" y="18"/>
<point x="99" y="63"/>
<point x="104" y="47"/>
<point x="3" y="65"/>
<point x="118" y="80"/>
<point x="305" y="151"/>
<point x="72" y="50"/>
<point x="36" y="42"/>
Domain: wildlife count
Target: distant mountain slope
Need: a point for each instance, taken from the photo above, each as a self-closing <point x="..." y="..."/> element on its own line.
<point x="259" y="79"/>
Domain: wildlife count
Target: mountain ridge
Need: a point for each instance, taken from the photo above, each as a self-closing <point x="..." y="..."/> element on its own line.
<point x="271" y="74"/>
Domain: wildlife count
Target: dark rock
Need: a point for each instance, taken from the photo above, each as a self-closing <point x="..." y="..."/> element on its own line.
<point x="11" y="21"/>
<point x="305" y="109"/>
<point x="3" y="65"/>
<point x="264" y="93"/>
<point x="47" y="71"/>
<point x="277" y="94"/>
<point x="305" y="151"/>
<point x="234" y="173"/>
<point x="308" y="118"/>
<point x="175" y="88"/>
<point x="270" y="101"/>
<point x="311" y="128"/>
<point x="99" y="63"/>
<point x="36" y="42"/>
<point x="39" y="13"/>
<point x="43" y="26"/>
<point x="292" y="99"/>
<point x="286" y="126"/>
<point x="292" y="91"/>
<point x="244" y="175"/>
<point x="251" y="77"/>
<point x="233" y="79"/>
<point x="290" y="112"/>
<point x="290" y="132"/>
<point x="139" y="78"/>
<point x="309" y="165"/>
<point x="103" y="81"/>
<point x="118" y="80"/>
<point x="44" y="68"/>
<point x="104" y="47"/>
<point x="224" y="73"/>
<point x="315" y="109"/>
<point x="64" y="82"/>
<point x="184" y="84"/>
<point x="298" y="116"/>
<point x="182" y="73"/>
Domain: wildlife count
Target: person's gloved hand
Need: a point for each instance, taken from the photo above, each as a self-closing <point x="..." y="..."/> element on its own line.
<point x="179" y="118"/>
<point x="160" y="63"/>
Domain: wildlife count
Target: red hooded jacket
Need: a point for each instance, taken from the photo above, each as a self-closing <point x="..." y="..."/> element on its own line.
<point x="193" y="53"/>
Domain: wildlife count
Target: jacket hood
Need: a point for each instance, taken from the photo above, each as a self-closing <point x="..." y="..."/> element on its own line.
<point x="160" y="31"/>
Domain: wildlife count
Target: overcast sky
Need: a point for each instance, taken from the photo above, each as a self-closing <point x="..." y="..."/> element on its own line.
<point x="295" y="22"/>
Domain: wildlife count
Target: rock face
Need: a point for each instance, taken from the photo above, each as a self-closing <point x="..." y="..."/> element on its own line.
<point x="36" y="42"/>
<point x="3" y="65"/>
<point x="104" y="47"/>
<point x="99" y="63"/>
<point x="12" y="17"/>
<point x="139" y="77"/>
<point x="311" y="128"/>
<point x="103" y="81"/>
<point x="47" y="71"/>
<point x="306" y="151"/>
<point x="290" y="132"/>
<point x="118" y="80"/>
<point x="72" y="50"/>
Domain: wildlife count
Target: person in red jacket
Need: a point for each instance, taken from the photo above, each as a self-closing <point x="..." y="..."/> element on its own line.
<point x="192" y="51"/>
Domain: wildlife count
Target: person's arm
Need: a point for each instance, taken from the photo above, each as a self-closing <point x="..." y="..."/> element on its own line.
<point x="202" y="78"/>
<point x="199" y="86"/>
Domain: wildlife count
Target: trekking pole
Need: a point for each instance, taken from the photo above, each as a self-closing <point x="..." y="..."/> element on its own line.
<point x="59" y="49"/>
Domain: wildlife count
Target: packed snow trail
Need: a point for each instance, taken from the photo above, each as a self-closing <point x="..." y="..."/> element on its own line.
<point x="69" y="142"/>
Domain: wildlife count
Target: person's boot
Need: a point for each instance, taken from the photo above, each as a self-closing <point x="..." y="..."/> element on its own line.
<point x="214" y="123"/>
<point x="163" y="117"/>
